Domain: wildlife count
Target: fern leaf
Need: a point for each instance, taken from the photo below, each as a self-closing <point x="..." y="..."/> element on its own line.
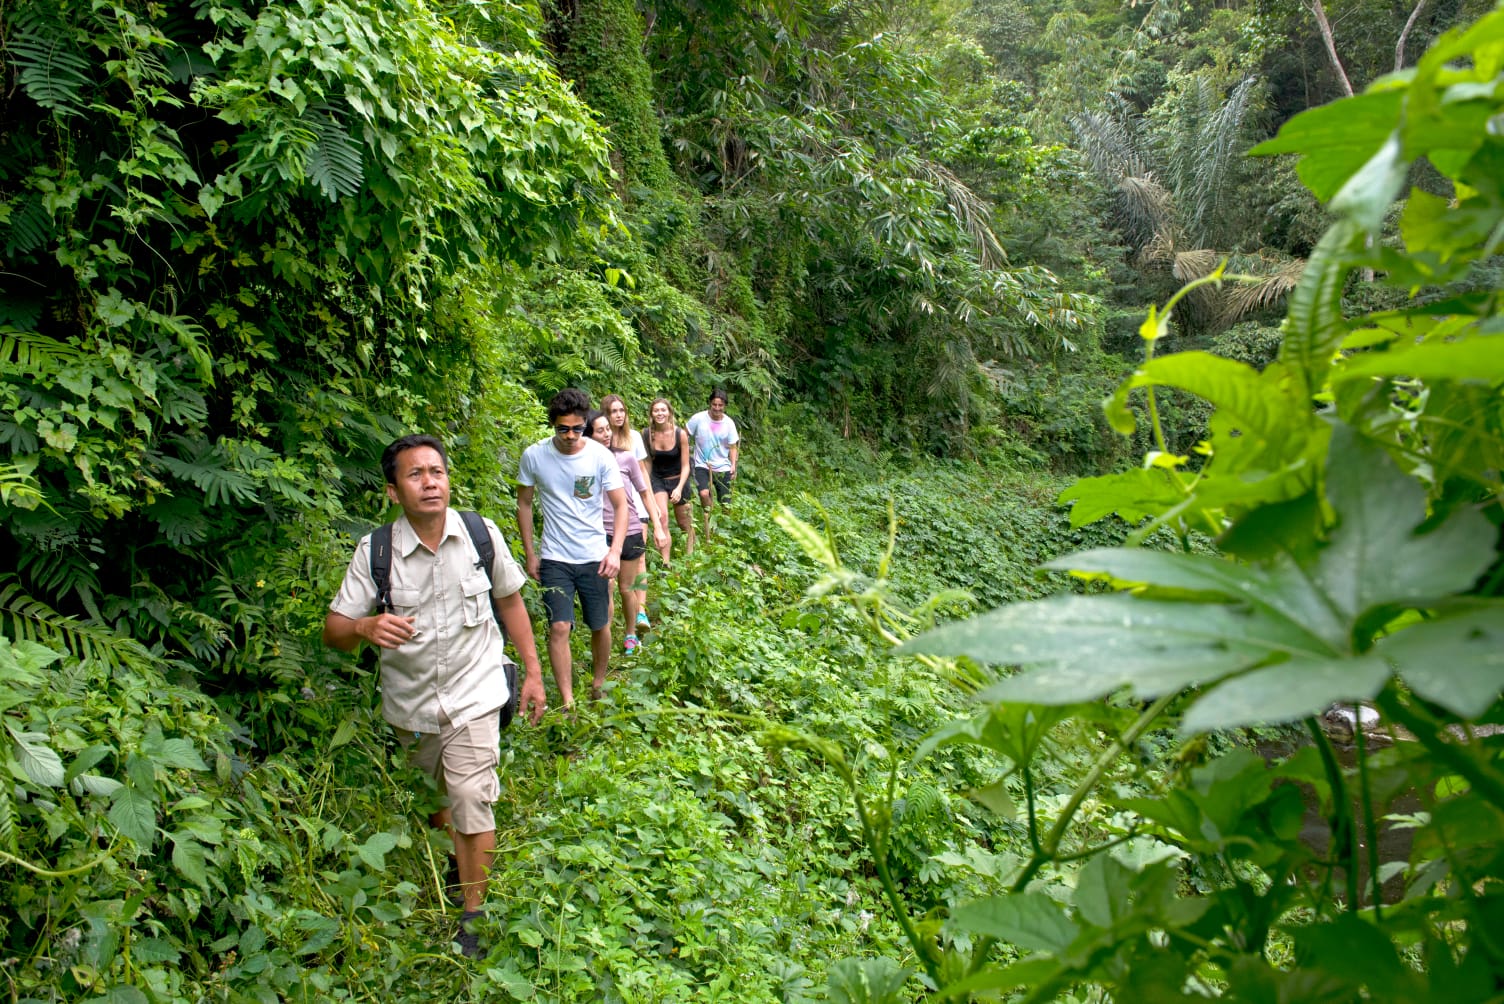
<point x="62" y="572"/>
<point x="29" y="619"/>
<point x="35" y="353"/>
<point x="51" y="69"/>
<point x="334" y="162"/>
<point x="30" y="227"/>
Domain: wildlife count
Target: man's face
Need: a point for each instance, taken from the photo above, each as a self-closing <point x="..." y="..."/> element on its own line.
<point x="569" y="433"/>
<point x="717" y="409"/>
<point x="422" y="486"/>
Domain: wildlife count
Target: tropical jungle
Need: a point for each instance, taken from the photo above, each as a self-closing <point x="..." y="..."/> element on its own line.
<point x="1111" y="602"/>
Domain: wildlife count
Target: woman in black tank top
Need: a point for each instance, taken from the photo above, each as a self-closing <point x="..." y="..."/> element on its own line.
<point x="668" y="446"/>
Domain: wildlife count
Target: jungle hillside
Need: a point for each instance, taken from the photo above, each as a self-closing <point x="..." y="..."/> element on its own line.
<point x="1111" y="603"/>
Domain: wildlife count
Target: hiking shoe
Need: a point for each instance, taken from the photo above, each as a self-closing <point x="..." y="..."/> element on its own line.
<point x="643" y="624"/>
<point x="631" y="644"/>
<point x="467" y="940"/>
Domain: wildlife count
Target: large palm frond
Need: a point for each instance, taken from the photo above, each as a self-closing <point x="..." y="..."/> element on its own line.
<point x="972" y="212"/>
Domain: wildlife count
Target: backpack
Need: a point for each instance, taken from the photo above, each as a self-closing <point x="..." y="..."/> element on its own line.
<point x="381" y="574"/>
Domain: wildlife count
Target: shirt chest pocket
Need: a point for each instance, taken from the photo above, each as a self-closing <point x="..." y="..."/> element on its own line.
<point x="404" y="602"/>
<point x="476" y="604"/>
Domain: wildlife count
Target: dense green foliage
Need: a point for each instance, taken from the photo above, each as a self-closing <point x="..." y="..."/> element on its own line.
<point x="243" y="245"/>
<point x="1362" y="562"/>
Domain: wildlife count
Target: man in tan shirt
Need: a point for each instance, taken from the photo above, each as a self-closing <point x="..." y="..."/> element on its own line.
<point x="442" y="655"/>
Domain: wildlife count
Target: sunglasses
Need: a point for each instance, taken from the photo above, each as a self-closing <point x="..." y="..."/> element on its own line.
<point x="564" y="430"/>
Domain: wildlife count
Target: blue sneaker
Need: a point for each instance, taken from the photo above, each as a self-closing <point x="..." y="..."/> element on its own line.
<point x="643" y="624"/>
<point x="632" y="644"/>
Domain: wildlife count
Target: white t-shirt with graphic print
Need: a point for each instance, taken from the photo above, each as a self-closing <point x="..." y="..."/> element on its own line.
<point x="571" y="489"/>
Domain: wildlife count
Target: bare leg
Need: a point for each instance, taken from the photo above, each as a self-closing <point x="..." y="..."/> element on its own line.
<point x="561" y="660"/>
<point x="472" y="852"/>
<point x="472" y="855"/>
<point x="686" y="521"/>
<point x="600" y="650"/>
<point x="706" y="507"/>
<point x="660" y="534"/>
<point x="631" y="598"/>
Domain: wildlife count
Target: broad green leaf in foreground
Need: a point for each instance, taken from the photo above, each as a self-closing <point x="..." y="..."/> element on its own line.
<point x="1026" y="919"/>
<point x="1271" y="642"/>
<point x="1455" y="661"/>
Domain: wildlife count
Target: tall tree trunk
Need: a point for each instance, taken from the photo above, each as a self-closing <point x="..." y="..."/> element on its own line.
<point x="1325" y="27"/>
<point x="1399" y="47"/>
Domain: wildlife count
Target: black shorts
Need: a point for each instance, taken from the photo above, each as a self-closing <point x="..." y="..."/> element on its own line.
<point x="563" y="581"/>
<point x="667" y="487"/>
<point x="704" y="477"/>
<point x="632" y="548"/>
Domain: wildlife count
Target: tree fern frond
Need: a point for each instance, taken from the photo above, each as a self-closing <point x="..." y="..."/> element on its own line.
<point x="62" y="572"/>
<point x="334" y="160"/>
<point x="607" y="355"/>
<point x="34" y="352"/>
<point x="29" y="619"/>
<point x="208" y="469"/>
<point x="52" y="70"/>
<point x="29" y="228"/>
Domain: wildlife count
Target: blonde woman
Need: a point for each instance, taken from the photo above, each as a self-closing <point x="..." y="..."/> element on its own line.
<point x="668" y="445"/>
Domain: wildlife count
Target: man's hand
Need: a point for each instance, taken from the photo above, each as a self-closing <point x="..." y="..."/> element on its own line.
<point x="610" y="565"/>
<point x="387" y="630"/>
<point x="531" y="562"/>
<point x="534" y="701"/>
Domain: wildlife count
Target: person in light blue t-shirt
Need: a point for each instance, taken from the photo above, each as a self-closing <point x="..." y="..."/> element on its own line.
<point x="573" y="477"/>
<point x="715" y="454"/>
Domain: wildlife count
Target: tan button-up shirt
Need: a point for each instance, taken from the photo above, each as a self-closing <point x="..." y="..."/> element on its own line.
<point x="453" y="667"/>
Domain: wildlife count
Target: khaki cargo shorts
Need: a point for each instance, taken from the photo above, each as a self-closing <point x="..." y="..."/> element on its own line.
<point x="462" y="761"/>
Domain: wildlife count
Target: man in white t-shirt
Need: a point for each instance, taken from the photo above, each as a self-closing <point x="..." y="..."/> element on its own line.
<point x="573" y="477"/>
<point x="715" y="453"/>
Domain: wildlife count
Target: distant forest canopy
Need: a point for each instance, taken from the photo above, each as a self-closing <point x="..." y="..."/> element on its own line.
<point x="246" y="244"/>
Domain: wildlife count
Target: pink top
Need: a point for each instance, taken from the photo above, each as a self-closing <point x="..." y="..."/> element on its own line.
<point x="633" y="481"/>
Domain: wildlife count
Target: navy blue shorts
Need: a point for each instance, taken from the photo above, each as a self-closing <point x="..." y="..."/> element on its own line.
<point x="562" y="582"/>
<point x="632" y="548"/>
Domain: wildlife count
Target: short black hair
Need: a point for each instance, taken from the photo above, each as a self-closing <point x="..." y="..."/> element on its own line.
<point x="389" y="455"/>
<point x="591" y="417"/>
<point x="716" y="392"/>
<point x="569" y="401"/>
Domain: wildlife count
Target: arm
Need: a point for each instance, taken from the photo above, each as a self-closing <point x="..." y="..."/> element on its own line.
<point x="735" y="452"/>
<point x="678" y="493"/>
<point x="649" y="500"/>
<point x="525" y="531"/>
<point x="513" y="614"/>
<point x="611" y="563"/>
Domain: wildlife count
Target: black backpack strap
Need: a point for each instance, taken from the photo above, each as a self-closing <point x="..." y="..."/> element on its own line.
<point x="381" y="566"/>
<point x="481" y="538"/>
